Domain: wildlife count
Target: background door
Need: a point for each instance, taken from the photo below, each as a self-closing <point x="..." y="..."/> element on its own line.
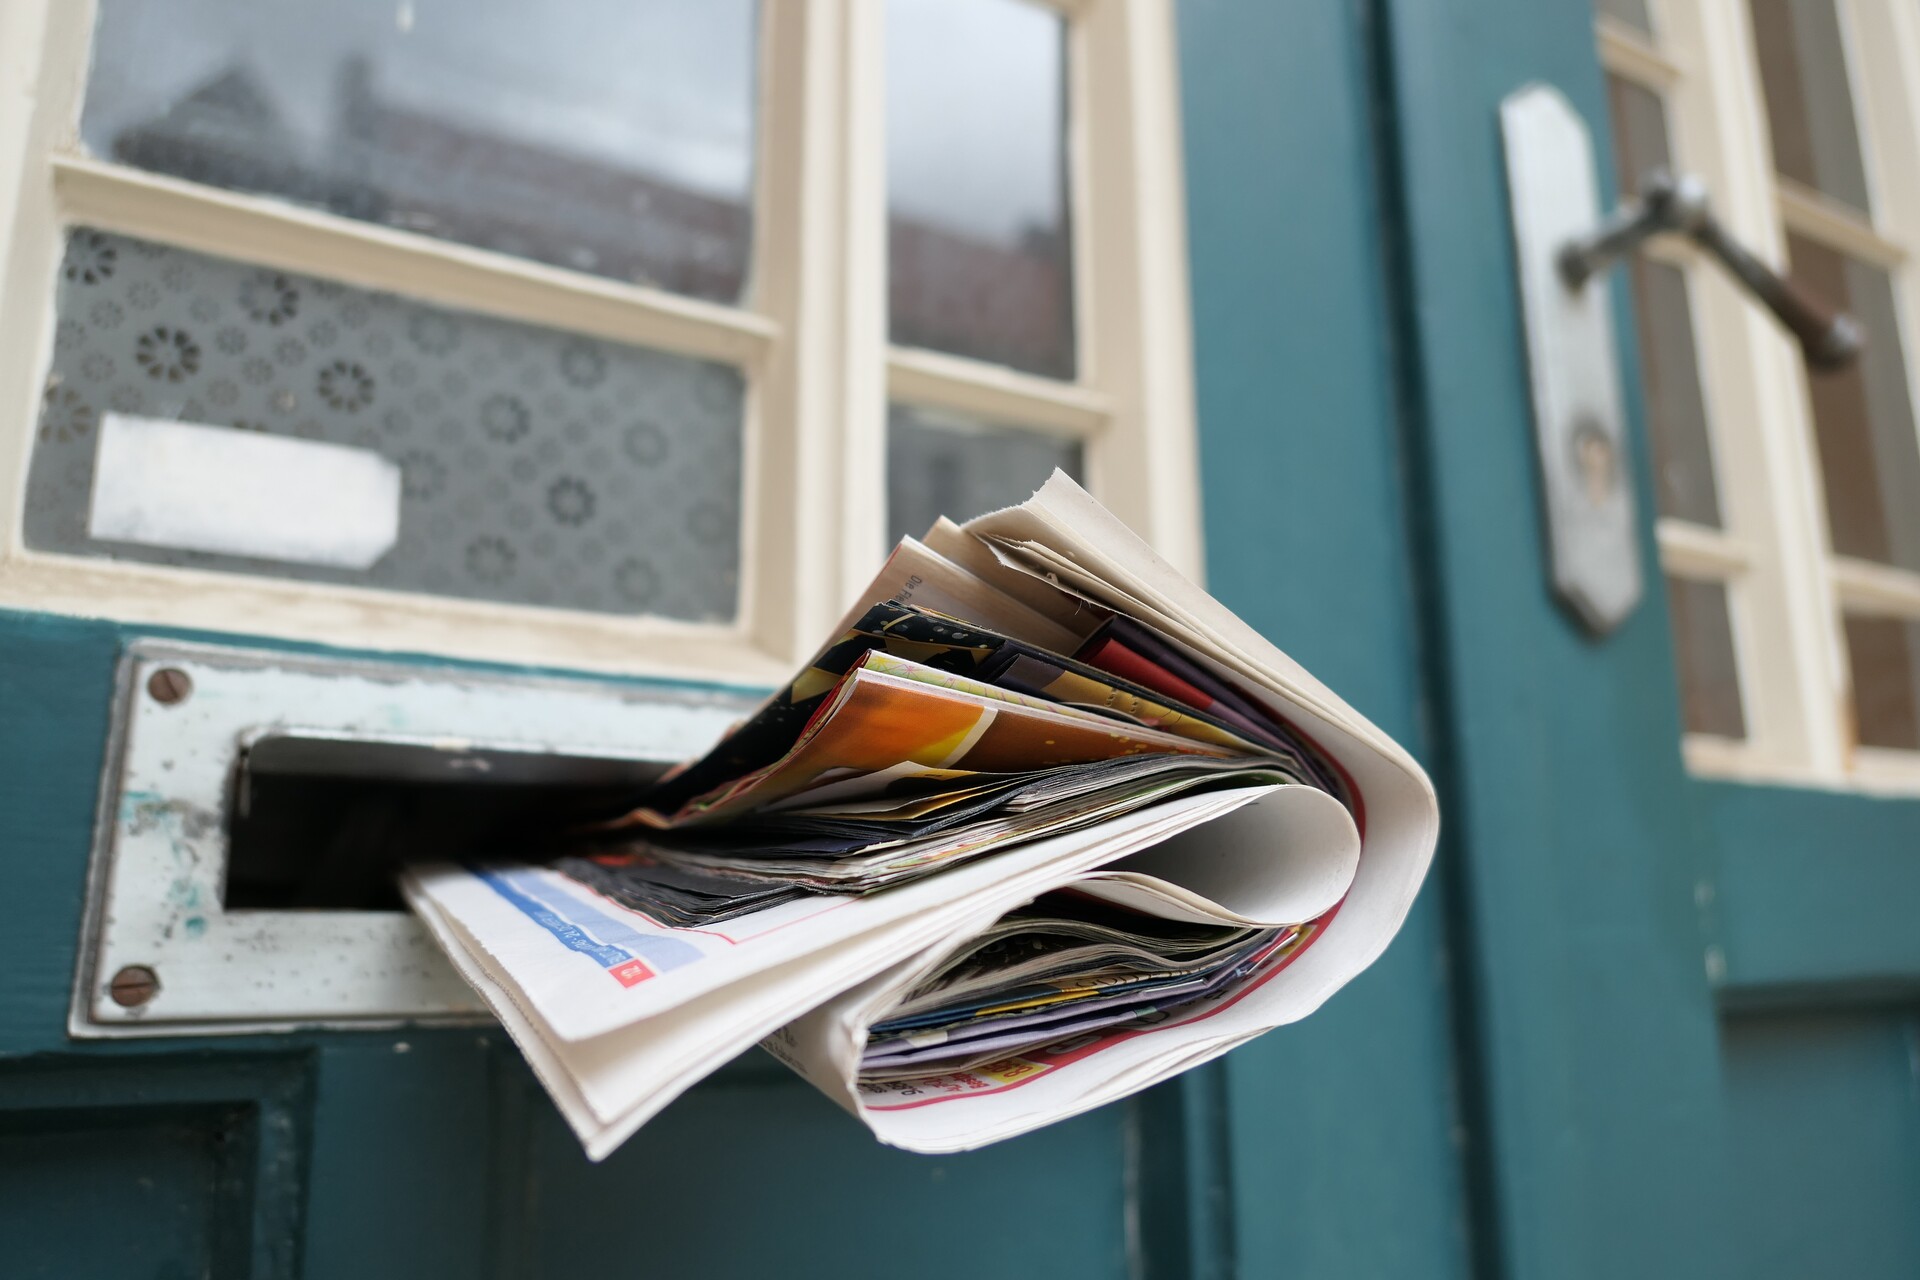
<point x="1688" y="1003"/>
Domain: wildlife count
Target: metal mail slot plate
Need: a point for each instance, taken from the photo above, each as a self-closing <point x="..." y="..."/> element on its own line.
<point x="185" y="716"/>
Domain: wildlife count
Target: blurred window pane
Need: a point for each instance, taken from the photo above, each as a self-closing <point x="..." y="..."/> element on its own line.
<point x="1669" y="362"/>
<point x="537" y="467"/>
<point x="1640" y="141"/>
<point x="1803" y="72"/>
<point x="1704" y="655"/>
<point x="1670" y="381"/>
<point x="1631" y="12"/>
<point x="608" y="136"/>
<point x="949" y="464"/>
<point x="1885" y="657"/>
<point x="980" y="247"/>
<point x="1863" y="416"/>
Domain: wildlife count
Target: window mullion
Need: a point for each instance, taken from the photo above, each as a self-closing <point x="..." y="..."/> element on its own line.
<point x="815" y="500"/>
<point x="270" y="232"/>
<point x="1752" y="384"/>
<point x="995" y="392"/>
<point x="43" y="51"/>
<point x="862" y="457"/>
<point x="1136" y="329"/>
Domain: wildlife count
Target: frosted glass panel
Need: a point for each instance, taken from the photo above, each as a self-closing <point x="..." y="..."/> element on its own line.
<point x="538" y="467"/>
<point x="948" y="464"/>
<point x="609" y="136"/>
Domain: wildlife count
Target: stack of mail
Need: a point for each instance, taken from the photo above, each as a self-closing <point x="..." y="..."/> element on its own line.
<point x="1041" y="825"/>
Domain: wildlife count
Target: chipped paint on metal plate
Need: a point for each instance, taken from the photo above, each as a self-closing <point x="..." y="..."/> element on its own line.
<point x="160" y="844"/>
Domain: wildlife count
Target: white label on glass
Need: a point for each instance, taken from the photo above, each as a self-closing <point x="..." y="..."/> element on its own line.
<point x="240" y="493"/>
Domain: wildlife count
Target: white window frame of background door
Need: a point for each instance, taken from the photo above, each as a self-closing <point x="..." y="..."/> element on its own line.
<point x="1785" y="587"/>
<point x="811" y="339"/>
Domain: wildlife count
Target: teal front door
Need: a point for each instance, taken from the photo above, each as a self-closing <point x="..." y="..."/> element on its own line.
<point x="1683" y="980"/>
<point x="1638" y="1023"/>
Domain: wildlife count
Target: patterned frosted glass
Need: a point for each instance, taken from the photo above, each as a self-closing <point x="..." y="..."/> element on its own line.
<point x="1884" y="654"/>
<point x="1704" y="654"/>
<point x="538" y="467"/>
<point x="949" y="464"/>
<point x="980" y="247"/>
<point x="609" y="136"/>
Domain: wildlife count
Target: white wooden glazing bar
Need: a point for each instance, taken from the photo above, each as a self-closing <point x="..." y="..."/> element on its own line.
<point x="993" y="391"/>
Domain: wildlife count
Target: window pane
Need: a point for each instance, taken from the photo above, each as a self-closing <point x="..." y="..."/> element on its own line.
<point x="1632" y="12"/>
<point x="1669" y="362"/>
<point x="1885" y="656"/>
<point x="538" y="467"/>
<point x="1670" y="381"/>
<point x="1703" y="654"/>
<point x="1640" y="141"/>
<point x="950" y="464"/>
<point x="1803" y="71"/>
<point x="1863" y="416"/>
<point x="980" y="251"/>
<point x="609" y="136"/>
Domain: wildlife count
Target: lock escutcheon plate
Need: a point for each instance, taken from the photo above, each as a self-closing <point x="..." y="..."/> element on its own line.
<point x="1572" y="362"/>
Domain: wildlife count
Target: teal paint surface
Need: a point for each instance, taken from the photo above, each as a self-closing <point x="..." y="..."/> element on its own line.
<point x="56" y="681"/>
<point x="156" y="1178"/>
<point x="173" y="1165"/>
<point x="760" y="1174"/>
<point x="1826" y="1137"/>
<point x="402" y="1154"/>
<point x="1818" y="892"/>
<point x="1572" y="843"/>
<point x="1620" y="1127"/>
<point x="1347" y="1120"/>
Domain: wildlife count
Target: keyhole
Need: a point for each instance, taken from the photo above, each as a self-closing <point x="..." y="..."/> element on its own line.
<point x="1595" y="461"/>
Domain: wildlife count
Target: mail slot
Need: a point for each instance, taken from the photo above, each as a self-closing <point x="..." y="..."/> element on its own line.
<point x="322" y="822"/>
<point x="255" y="806"/>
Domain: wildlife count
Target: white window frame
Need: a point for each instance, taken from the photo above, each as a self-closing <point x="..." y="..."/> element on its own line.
<point x="1786" y="589"/>
<point x="811" y="339"/>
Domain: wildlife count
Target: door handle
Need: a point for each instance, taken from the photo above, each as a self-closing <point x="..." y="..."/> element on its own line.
<point x="1678" y="203"/>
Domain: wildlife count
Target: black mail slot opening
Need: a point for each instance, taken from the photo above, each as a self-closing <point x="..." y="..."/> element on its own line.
<point x="323" y="823"/>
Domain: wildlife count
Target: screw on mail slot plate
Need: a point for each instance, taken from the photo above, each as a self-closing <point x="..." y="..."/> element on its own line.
<point x="1572" y="365"/>
<point x="169" y="685"/>
<point x="134" y="986"/>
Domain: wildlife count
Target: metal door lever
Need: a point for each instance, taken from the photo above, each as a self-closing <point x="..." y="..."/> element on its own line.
<point x="1831" y="339"/>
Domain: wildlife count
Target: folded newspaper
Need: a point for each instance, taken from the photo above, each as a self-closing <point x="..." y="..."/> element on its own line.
<point x="1042" y="825"/>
